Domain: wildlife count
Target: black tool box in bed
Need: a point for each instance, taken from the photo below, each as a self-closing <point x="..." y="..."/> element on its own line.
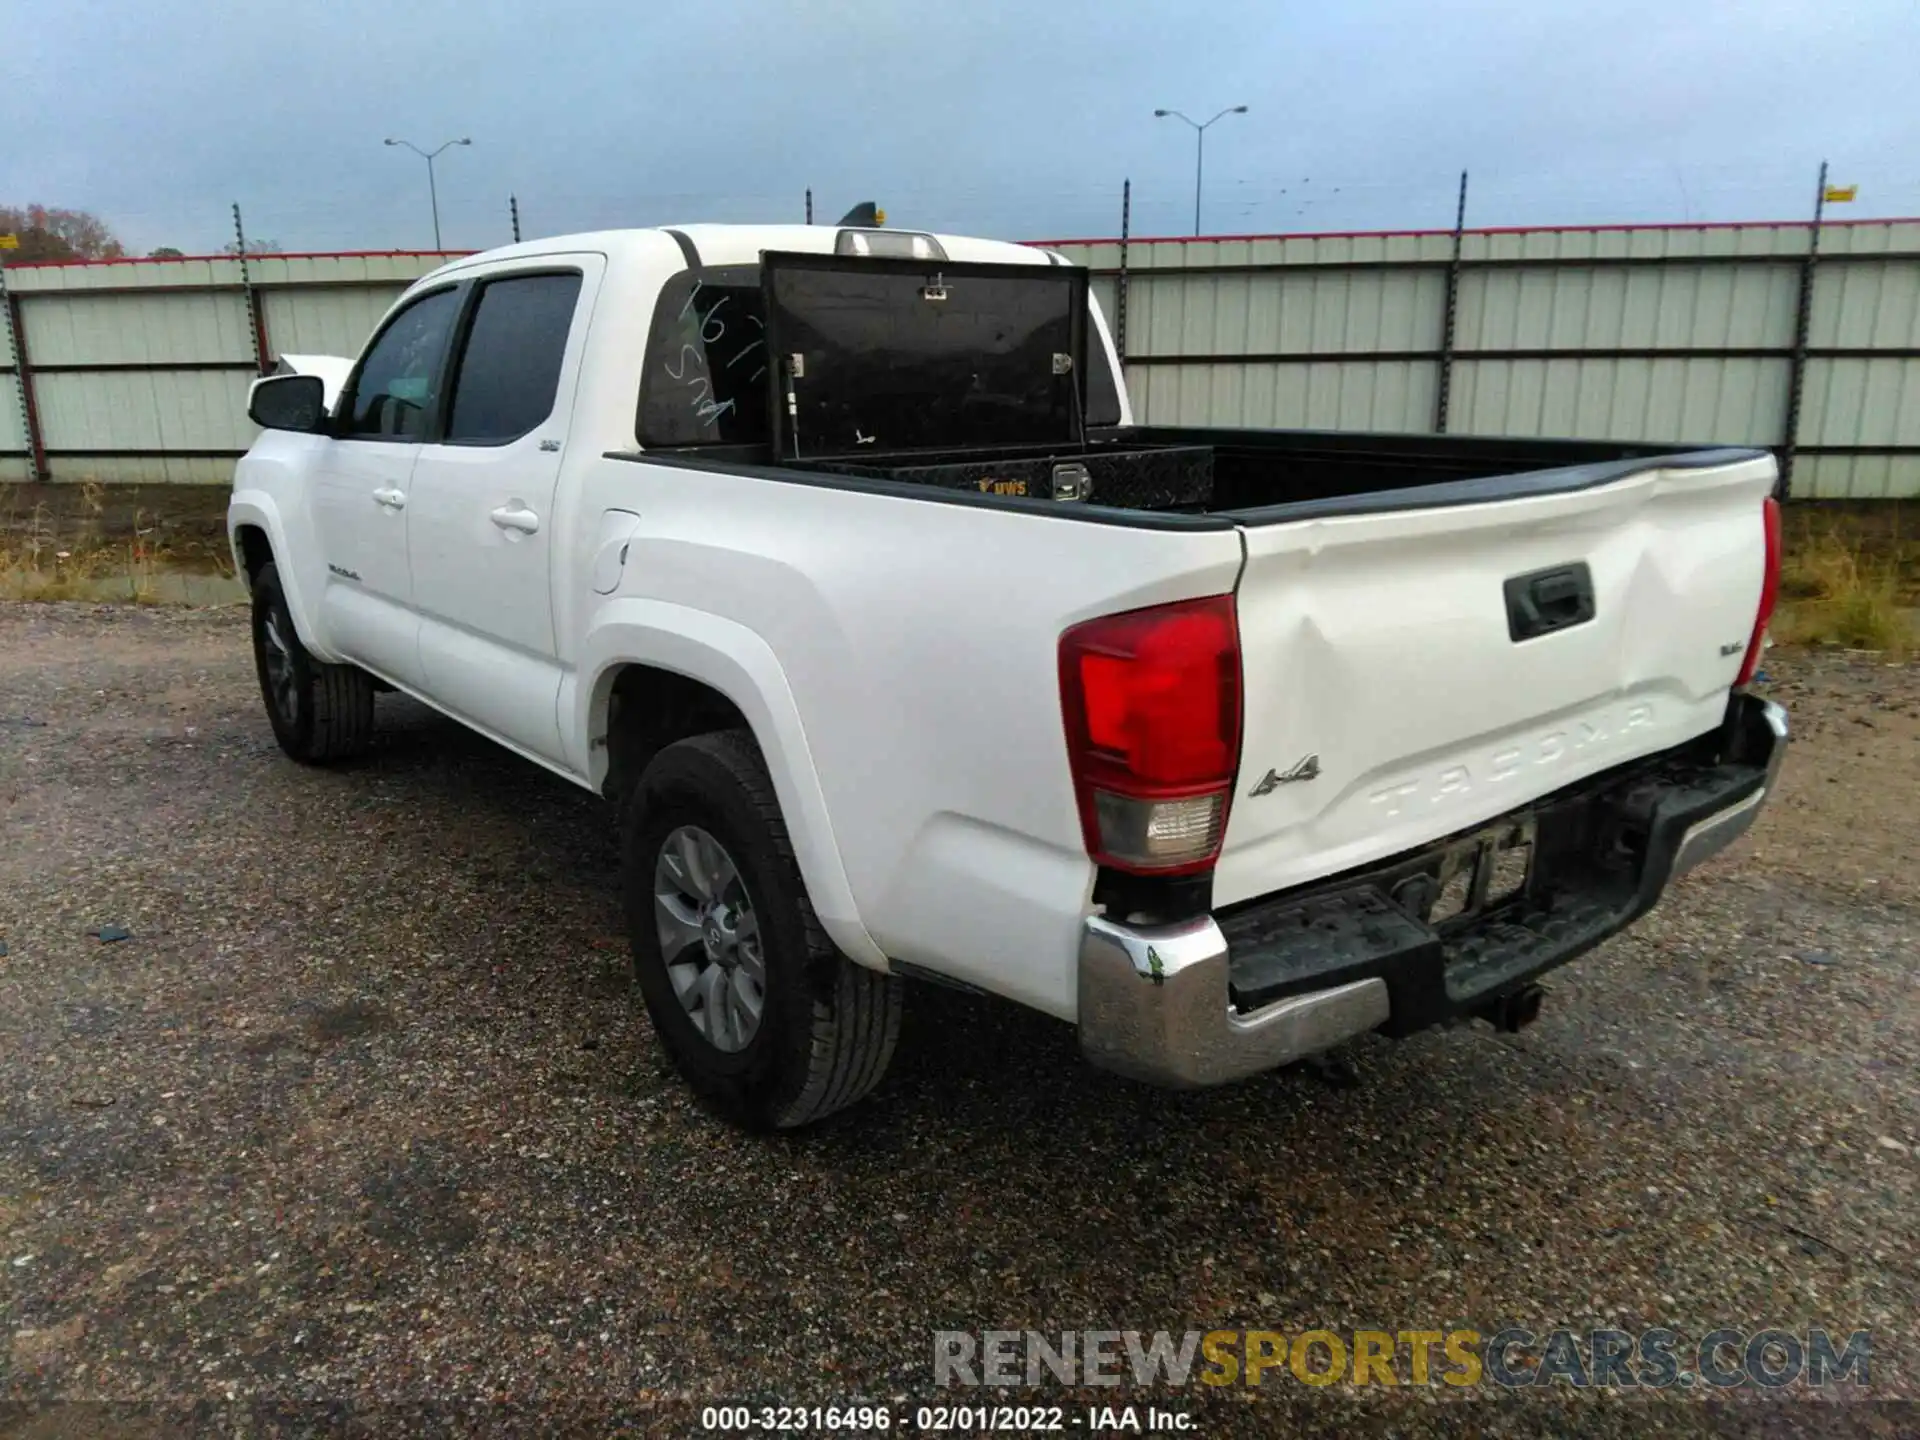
<point x="954" y="375"/>
<point x="1175" y="478"/>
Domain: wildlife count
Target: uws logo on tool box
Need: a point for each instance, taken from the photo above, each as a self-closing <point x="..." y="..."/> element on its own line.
<point x="1577" y="743"/>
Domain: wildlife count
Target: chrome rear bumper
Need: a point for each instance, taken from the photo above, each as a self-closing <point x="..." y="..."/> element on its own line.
<point x="1706" y="838"/>
<point x="1153" y="1006"/>
<point x="1156" y="1002"/>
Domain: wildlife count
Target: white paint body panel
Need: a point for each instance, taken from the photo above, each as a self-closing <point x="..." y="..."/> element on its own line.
<point x="897" y="657"/>
<point x="366" y="585"/>
<point x="484" y="593"/>
<point x="1379" y="643"/>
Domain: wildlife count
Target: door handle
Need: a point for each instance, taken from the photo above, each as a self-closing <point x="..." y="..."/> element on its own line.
<point x="393" y="499"/>
<point x="516" y="517"/>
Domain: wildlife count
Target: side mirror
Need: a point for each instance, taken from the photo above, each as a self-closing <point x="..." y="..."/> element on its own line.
<point x="288" y="402"/>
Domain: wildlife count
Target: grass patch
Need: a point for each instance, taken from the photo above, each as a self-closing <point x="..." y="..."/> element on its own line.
<point x="72" y="553"/>
<point x="1841" y="587"/>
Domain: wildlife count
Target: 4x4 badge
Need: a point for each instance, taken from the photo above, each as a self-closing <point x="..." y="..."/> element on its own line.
<point x="1306" y="768"/>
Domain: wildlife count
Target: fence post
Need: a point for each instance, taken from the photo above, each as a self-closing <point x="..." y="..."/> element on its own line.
<point x="513" y="209"/>
<point x="23" y="373"/>
<point x="1443" y="390"/>
<point x="256" y="316"/>
<point x="1120" y="281"/>
<point x="1802" y="323"/>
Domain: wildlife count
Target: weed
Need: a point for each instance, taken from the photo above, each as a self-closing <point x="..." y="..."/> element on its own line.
<point x="71" y="556"/>
<point x="1835" y="591"/>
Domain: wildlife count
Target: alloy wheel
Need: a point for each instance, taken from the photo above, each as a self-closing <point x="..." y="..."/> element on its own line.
<point x="710" y="938"/>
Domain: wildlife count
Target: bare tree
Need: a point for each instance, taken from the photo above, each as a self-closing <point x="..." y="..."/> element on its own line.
<point x="254" y="247"/>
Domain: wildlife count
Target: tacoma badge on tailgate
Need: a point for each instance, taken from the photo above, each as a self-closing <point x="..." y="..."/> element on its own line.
<point x="1578" y="741"/>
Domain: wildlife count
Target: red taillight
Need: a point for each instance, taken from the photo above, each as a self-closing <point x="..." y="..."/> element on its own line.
<point x="1152" y="705"/>
<point x="1769" y="592"/>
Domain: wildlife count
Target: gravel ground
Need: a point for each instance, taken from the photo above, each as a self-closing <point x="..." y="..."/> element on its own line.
<point x="365" y="1111"/>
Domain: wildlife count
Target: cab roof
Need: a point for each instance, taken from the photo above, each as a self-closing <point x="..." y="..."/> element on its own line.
<point x="739" y="244"/>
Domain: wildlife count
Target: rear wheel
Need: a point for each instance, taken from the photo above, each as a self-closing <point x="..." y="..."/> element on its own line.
<point x="710" y="940"/>
<point x="762" y="1015"/>
<point x="319" y="712"/>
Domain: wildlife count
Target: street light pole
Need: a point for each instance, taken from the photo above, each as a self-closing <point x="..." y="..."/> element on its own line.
<point x="433" y="190"/>
<point x="1199" y="149"/>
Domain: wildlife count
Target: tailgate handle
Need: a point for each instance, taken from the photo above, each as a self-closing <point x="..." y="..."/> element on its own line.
<point x="1542" y="601"/>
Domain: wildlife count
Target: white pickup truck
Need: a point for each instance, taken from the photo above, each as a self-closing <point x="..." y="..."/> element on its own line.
<point x="832" y="555"/>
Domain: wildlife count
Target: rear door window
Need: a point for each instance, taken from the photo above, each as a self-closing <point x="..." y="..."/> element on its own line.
<point x="516" y="344"/>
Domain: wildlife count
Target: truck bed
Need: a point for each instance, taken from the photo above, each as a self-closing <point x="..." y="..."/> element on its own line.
<point x="1238" y="476"/>
<point x="1256" y="470"/>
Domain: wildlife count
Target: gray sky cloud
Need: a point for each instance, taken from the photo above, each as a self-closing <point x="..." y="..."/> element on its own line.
<point x="1015" y="119"/>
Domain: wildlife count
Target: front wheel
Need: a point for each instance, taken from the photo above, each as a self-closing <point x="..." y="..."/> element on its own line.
<point x="319" y="712"/>
<point x="762" y="1015"/>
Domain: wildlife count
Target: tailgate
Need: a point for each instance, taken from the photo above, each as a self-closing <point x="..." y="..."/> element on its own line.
<point x="1388" y="702"/>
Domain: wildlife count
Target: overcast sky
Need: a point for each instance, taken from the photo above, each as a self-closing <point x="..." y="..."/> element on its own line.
<point x="990" y="116"/>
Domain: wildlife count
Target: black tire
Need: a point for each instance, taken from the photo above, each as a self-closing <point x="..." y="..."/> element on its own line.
<point x="826" y="1028"/>
<point x="319" y="712"/>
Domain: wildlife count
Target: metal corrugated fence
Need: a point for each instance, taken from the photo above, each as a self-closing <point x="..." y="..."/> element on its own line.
<point x="1647" y="333"/>
<point x="137" y="370"/>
